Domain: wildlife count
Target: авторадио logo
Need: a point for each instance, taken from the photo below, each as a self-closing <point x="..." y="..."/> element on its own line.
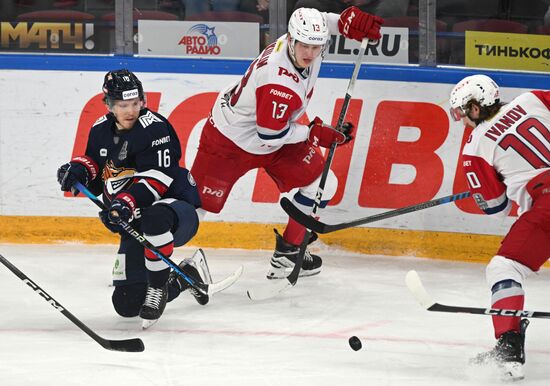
<point x="200" y="40"/>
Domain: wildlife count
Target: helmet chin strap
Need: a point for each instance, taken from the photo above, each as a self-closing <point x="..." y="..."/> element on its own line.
<point x="292" y="52"/>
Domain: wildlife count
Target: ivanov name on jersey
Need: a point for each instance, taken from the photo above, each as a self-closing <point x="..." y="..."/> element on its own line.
<point x="509" y="141"/>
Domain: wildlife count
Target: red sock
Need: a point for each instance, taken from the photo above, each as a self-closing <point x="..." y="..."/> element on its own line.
<point x="507" y="323"/>
<point x="294" y="232"/>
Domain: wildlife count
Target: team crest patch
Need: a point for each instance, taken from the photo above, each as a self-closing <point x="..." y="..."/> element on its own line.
<point x="99" y="120"/>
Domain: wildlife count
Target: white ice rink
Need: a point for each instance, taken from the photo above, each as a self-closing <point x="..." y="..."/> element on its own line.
<point x="298" y="338"/>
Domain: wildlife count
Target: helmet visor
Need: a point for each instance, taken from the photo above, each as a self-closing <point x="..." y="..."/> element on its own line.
<point x="457" y="113"/>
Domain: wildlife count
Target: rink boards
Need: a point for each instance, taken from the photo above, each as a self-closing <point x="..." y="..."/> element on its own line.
<point x="406" y="151"/>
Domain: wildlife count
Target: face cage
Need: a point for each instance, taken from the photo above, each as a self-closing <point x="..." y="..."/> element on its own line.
<point x="457" y="113"/>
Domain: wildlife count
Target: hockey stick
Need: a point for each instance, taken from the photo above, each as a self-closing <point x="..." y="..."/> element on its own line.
<point x="320" y="227"/>
<point x="205" y="288"/>
<point x="292" y="278"/>
<point x="421" y="295"/>
<point x="129" y="345"/>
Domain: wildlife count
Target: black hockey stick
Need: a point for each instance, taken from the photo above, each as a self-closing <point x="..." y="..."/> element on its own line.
<point x="207" y="289"/>
<point x="292" y="278"/>
<point x="320" y="227"/>
<point x="129" y="345"/>
<point x="421" y="295"/>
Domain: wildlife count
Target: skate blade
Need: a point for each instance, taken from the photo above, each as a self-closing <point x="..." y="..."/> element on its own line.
<point x="146" y="323"/>
<point x="276" y="274"/>
<point x="511" y="372"/>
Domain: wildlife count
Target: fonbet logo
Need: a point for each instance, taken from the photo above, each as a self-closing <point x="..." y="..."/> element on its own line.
<point x="200" y="40"/>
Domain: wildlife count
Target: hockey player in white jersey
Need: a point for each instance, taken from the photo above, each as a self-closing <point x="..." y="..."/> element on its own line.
<point x="507" y="158"/>
<point x="254" y="124"/>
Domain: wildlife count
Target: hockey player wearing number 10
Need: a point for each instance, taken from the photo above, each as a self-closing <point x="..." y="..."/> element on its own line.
<point x="132" y="158"/>
<point x="253" y="124"/>
<point x="507" y="158"/>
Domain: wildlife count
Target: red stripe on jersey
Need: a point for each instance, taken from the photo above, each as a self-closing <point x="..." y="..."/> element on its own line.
<point x="156" y="184"/>
<point x="544" y="97"/>
<point x="166" y="250"/>
<point x="274" y="106"/>
<point x="482" y="177"/>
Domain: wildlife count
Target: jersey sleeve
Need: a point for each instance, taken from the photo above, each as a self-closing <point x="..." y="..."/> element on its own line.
<point x="275" y="104"/>
<point x="332" y="22"/>
<point x="544" y="97"/>
<point x="486" y="186"/>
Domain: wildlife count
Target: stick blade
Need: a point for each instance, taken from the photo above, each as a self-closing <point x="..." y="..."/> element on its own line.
<point x="269" y="291"/>
<point x="417" y="289"/>
<point x="306" y="220"/>
<point x="225" y="283"/>
<point x="126" y="345"/>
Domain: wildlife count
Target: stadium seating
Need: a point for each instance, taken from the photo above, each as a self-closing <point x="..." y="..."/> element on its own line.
<point x="411" y="22"/>
<point x="55" y="15"/>
<point x="226" y="16"/>
<point x="145" y="14"/>
<point x="490" y="25"/>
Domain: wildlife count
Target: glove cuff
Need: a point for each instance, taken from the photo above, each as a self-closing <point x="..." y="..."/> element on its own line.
<point x="90" y="165"/>
<point x="129" y="200"/>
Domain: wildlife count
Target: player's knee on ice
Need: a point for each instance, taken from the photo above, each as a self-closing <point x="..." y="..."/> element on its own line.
<point x="127" y="299"/>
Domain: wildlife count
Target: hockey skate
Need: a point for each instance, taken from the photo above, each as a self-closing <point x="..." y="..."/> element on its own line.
<point x="197" y="269"/>
<point x="285" y="255"/>
<point x="508" y="354"/>
<point x="153" y="306"/>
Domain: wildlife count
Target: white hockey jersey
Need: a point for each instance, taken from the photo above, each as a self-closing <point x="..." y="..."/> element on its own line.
<point x="259" y="112"/>
<point x="504" y="153"/>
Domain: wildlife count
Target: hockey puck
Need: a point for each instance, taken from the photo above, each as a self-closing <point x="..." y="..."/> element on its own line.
<point x="355" y="343"/>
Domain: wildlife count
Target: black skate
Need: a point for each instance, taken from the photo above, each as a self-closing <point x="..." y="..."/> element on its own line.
<point x="285" y="255"/>
<point x="153" y="306"/>
<point x="197" y="269"/>
<point x="508" y="354"/>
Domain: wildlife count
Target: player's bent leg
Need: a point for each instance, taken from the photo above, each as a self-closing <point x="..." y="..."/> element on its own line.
<point x="184" y="226"/>
<point x="506" y="277"/>
<point x="157" y="222"/>
<point x="287" y="245"/>
<point x="128" y="299"/>
<point x="285" y="256"/>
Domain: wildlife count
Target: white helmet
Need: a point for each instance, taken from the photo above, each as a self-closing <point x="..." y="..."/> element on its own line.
<point x="480" y="88"/>
<point x="307" y="25"/>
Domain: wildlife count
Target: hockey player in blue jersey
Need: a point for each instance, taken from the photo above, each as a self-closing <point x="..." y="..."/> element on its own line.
<point x="132" y="159"/>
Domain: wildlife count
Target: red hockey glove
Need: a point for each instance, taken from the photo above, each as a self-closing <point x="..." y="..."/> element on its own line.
<point x="122" y="208"/>
<point x="81" y="169"/>
<point x="325" y="135"/>
<point x="356" y="24"/>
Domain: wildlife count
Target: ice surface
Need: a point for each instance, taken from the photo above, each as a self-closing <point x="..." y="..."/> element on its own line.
<point x="298" y="338"/>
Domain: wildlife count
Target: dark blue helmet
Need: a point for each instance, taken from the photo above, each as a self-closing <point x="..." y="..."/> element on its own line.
<point x="122" y="85"/>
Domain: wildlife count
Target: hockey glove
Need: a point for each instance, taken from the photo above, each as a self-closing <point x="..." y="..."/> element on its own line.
<point x="356" y="24"/>
<point x="325" y="135"/>
<point x="80" y="169"/>
<point x="122" y="208"/>
<point x="104" y="217"/>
